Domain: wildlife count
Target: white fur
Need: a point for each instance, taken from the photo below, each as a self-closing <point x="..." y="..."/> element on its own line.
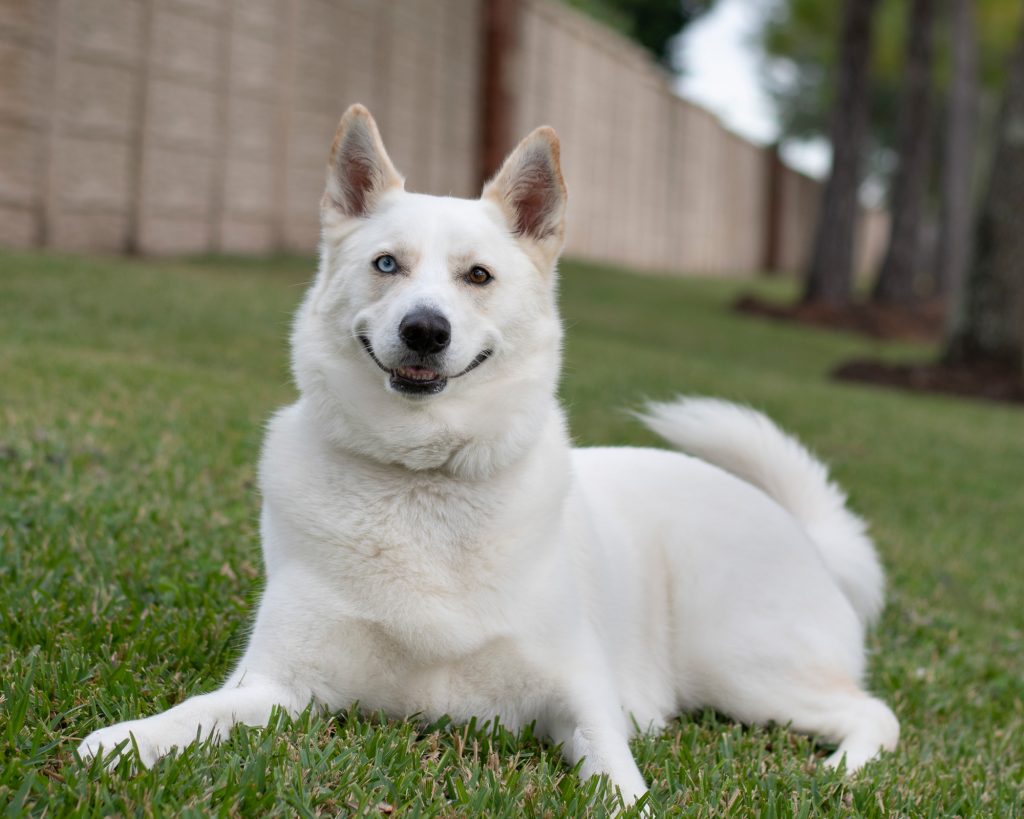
<point x="452" y="554"/>
<point x="744" y="442"/>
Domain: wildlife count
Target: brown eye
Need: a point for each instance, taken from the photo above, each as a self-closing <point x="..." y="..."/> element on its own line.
<point x="478" y="275"/>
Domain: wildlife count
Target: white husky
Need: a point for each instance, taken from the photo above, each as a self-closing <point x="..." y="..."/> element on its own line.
<point x="434" y="545"/>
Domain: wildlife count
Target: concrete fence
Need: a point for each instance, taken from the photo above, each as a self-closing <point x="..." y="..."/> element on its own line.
<point x="182" y="126"/>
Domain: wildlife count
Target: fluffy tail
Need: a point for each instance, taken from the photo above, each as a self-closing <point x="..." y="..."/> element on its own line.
<point x="744" y="442"/>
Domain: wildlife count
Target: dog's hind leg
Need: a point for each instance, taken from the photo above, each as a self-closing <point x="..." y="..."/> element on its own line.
<point x="249" y="700"/>
<point x="835" y="710"/>
<point x="870" y="728"/>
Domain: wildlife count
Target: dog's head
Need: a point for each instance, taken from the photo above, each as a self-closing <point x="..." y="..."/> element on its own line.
<point x="429" y="309"/>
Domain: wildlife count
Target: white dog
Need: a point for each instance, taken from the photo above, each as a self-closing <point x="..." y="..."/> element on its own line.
<point x="434" y="545"/>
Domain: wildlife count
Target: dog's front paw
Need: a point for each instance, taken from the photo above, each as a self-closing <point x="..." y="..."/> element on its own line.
<point x="116" y="741"/>
<point x="631" y="796"/>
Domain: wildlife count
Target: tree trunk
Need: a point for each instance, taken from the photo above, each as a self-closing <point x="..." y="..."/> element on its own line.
<point x="959" y="157"/>
<point x="990" y="324"/>
<point x="830" y="273"/>
<point x="896" y="281"/>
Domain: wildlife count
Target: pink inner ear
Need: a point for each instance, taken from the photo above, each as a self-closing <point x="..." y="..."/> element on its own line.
<point x="357" y="176"/>
<point x="534" y="197"/>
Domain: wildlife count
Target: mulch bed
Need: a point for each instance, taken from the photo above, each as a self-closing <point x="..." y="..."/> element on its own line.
<point x="925" y="323"/>
<point x="987" y="382"/>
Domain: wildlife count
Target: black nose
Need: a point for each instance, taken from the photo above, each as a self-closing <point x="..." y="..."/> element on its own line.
<point x="425" y="331"/>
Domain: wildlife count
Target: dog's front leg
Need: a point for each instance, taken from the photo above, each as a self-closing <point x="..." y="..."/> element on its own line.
<point x="595" y="731"/>
<point x="249" y="700"/>
<point x="606" y="751"/>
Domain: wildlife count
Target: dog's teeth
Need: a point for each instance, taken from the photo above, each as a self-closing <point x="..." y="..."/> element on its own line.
<point x="417" y="373"/>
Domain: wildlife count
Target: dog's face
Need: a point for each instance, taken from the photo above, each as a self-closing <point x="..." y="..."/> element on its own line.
<point x="432" y="289"/>
<point x="431" y="301"/>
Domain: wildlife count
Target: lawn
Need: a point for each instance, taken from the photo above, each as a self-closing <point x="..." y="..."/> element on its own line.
<point x="132" y="399"/>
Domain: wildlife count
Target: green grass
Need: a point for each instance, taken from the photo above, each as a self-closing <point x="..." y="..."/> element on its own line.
<point x="132" y="399"/>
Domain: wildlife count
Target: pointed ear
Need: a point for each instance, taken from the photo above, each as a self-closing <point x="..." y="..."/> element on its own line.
<point x="359" y="171"/>
<point x="530" y="190"/>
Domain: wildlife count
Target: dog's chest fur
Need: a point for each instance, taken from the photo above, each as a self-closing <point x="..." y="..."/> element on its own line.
<point x="432" y="562"/>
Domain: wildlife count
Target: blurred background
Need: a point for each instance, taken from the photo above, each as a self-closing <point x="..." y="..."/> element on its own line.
<point x="844" y="142"/>
<point x="183" y="126"/>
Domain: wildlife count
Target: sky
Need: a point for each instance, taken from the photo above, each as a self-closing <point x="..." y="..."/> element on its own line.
<point x="722" y="72"/>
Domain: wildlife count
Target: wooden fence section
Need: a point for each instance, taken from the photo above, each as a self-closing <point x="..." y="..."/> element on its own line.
<point x="184" y="126"/>
<point x="657" y="182"/>
<point x="181" y="126"/>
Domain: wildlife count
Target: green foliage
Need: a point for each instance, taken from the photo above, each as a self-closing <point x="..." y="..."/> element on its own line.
<point x="800" y="42"/>
<point x="652" y="23"/>
<point x="134" y="398"/>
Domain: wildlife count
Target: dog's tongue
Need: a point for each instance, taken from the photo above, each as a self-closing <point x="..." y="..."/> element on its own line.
<point x="414" y="373"/>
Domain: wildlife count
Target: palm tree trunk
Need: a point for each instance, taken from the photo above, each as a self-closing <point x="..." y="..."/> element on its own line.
<point x="959" y="157"/>
<point x="896" y="282"/>
<point x="990" y="324"/>
<point x="830" y="272"/>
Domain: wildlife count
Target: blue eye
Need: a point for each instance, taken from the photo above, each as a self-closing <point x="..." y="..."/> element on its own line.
<point x="386" y="263"/>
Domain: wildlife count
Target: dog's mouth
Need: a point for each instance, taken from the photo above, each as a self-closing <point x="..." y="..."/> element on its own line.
<point x="418" y="379"/>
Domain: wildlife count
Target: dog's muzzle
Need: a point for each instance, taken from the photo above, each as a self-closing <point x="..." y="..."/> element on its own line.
<point x="420" y="379"/>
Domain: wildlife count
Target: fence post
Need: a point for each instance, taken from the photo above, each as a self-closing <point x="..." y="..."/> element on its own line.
<point x="137" y="146"/>
<point x="773" y="211"/>
<point x="283" y="106"/>
<point x="49" y="199"/>
<point x="500" y="24"/>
